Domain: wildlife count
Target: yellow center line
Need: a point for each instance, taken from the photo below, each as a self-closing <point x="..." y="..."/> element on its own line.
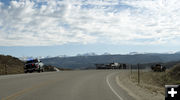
<point x="21" y="92"/>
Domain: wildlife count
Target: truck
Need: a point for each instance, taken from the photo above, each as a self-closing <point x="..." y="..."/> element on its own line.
<point x="33" y="65"/>
<point x="111" y="66"/>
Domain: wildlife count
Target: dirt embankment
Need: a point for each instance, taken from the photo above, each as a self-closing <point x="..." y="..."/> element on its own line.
<point x="10" y="65"/>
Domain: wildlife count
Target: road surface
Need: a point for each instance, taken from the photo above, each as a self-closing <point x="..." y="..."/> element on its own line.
<point x="63" y="85"/>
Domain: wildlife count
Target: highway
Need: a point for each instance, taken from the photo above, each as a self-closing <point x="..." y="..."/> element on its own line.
<point x="63" y="85"/>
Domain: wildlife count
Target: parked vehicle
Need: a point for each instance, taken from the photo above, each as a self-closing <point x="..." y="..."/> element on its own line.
<point x="158" y="68"/>
<point x="33" y="65"/>
<point x="111" y="66"/>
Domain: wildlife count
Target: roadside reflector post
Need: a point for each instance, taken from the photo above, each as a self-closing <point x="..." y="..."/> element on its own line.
<point x="138" y="74"/>
<point x="5" y="68"/>
<point x="131" y="69"/>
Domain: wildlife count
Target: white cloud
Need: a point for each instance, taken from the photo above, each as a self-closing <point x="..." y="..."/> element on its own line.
<point x="51" y="22"/>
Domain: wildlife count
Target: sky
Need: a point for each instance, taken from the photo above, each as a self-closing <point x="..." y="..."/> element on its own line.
<point x="70" y="27"/>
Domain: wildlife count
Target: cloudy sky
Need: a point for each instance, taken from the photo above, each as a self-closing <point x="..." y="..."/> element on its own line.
<point x="58" y="27"/>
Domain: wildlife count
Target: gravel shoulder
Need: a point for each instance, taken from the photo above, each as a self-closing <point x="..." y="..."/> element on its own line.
<point x="139" y="92"/>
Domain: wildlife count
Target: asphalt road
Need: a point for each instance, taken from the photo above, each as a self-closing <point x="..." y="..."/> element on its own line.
<point x="66" y="85"/>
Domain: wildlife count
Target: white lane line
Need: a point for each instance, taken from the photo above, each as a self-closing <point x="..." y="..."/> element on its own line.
<point x="107" y="80"/>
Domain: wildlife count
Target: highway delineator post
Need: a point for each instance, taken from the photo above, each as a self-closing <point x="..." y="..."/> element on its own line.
<point x="131" y="69"/>
<point x="138" y="74"/>
<point x="5" y="68"/>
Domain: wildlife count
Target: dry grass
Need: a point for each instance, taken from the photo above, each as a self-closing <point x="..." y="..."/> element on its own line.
<point x="155" y="81"/>
<point x="11" y="70"/>
<point x="10" y="65"/>
<point x="149" y="80"/>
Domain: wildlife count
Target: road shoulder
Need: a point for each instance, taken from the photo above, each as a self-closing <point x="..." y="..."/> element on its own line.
<point x="134" y="90"/>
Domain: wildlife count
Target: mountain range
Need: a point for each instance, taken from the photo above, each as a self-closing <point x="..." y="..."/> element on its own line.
<point x="89" y="61"/>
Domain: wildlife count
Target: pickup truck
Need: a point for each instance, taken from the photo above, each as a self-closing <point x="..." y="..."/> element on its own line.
<point x="33" y="65"/>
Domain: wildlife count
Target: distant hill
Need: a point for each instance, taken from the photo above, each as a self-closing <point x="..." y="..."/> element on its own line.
<point x="10" y="65"/>
<point x="83" y="62"/>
